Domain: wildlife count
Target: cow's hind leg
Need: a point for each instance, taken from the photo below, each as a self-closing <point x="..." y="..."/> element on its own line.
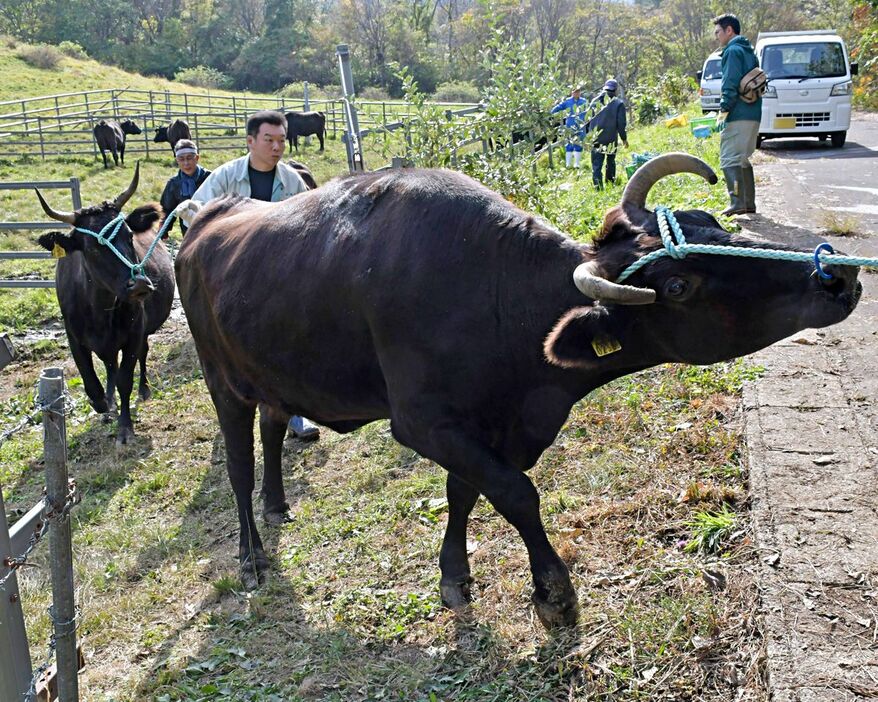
<point x="236" y="422"/>
<point x="272" y="430"/>
<point x="125" y="383"/>
<point x="453" y="561"/>
<point x="112" y="367"/>
<point x="144" y="392"/>
<point x="320" y="136"/>
<point x="511" y="493"/>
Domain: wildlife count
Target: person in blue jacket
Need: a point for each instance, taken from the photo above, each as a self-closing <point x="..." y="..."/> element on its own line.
<point x="574" y="123"/>
<point x="739" y="120"/>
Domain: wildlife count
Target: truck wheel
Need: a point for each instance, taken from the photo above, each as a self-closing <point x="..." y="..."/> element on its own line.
<point x="823" y="137"/>
<point x="758" y="141"/>
<point x="838" y="139"/>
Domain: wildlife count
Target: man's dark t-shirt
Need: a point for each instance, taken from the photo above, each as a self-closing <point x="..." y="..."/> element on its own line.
<point x="261" y="183"/>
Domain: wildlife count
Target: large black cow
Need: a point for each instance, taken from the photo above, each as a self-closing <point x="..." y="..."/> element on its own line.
<point x="423" y="297"/>
<point x="106" y="307"/>
<point x="305" y="124"/>
<point x="176" y="130"/>
<point x="110" y="136"/>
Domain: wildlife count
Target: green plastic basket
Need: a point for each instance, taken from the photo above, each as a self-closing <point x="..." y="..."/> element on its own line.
<point x="702" y="122"/>
<point x="629" y="170"/>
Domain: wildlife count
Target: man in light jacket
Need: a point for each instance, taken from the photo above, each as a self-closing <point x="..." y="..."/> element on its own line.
<point x="738" y="120"/>
<point x="260" y="175"/>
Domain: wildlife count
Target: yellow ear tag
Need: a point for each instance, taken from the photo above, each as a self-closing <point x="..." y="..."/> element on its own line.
<point x="605" y="345"/>
<point x="58" y="251"/>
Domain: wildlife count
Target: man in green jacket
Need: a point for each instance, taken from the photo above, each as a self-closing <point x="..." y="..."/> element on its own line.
<point x="738" y="120"/>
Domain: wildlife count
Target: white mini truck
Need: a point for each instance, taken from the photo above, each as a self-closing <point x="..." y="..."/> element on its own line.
<point x="809" y="85"/>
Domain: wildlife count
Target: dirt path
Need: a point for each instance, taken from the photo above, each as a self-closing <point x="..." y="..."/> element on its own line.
<point x="812" y="437"/>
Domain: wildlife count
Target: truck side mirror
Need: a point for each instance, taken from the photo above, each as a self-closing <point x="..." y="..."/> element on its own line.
<point x="855" y="68"/>
<point x="698" y="75"/>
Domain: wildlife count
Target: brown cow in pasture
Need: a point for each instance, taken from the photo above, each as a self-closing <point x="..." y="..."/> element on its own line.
<point x="110" y="136"/>
<point x="176" y="130"/>
<point x="422" y="297"/>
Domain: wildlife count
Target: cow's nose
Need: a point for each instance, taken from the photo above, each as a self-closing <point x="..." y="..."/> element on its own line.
<point x="139" y="286"/>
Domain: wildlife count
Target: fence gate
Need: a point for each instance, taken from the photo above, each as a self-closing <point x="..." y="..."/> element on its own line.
<point x="76" y="198"/>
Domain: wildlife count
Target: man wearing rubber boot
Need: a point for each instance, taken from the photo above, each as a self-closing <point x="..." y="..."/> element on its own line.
<point x="739" y="120"/>
<point x="574" y="124"/>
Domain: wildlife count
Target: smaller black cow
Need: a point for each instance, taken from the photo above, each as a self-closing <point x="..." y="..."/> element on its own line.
<point x="305" y="124"/>
<point x="110" y="136"/>
<point x="109" y="307"/>
<point x="176" y="130"/>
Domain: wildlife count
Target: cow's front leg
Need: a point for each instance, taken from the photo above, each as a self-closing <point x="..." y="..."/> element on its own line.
<point x="125" y="383"/>
<point x="453" y="560"/>
<point x="272" y="430"/>
<point x="511" y="493"/>
<point x="97" y="398"/>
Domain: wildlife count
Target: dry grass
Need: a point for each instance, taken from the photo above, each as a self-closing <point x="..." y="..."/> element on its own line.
<point x="840" y="224"/>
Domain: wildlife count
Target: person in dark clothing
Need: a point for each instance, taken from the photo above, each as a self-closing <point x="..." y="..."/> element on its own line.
<point x="190" y="176"/>
<point x="607" y="124"/>
<point x="738" y="119"/>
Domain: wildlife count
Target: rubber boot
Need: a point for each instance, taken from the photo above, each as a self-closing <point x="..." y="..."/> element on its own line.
<point x="749" y="190"/>
<point x="577" y="157"/>
<point x="735" y="183"/>
<point x="569" y="158"/>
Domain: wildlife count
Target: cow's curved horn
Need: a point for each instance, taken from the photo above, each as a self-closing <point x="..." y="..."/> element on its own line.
<point x="68" y="217"/>
<point x="126" y="194"/>
<point x="598" y="288"/>
<point x="651" y="172"/>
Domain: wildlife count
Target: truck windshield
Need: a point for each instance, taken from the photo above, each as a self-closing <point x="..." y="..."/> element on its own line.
<point x="812" y="60"/>
<point x="712" y="70"/>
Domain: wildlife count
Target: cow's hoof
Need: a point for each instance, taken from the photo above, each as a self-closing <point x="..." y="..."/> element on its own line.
<point x="254" y="570"/>
<point x="101" y="406"/>
<point x="277" y="517"/>
<point x="557" y="613"/>
<point x="144" y="392"/>
<point x="456" y="594"/>
<point x="125" y="436"/>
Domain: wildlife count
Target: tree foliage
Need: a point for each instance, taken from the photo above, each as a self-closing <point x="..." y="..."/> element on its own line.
<point x="266" y="44"/>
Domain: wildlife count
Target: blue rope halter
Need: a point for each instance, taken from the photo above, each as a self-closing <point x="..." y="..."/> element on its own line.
<point x="676" y="246"/>
<point x="116" y="224"/>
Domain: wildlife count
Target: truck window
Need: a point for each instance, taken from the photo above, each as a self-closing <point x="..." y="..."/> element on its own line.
<point x="812" y="60"/>
<point x="712" y="70"/>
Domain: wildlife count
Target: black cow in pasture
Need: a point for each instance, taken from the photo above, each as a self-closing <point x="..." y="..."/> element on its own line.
<point x="110" y="136"/>
<point x="423" y="297"/>
<point x="305" y="124"/>
<point x="176" y="130"/>
<point x="108" y="307"/>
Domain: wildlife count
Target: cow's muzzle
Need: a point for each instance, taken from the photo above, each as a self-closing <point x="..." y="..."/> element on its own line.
<point x="139" y="287"/>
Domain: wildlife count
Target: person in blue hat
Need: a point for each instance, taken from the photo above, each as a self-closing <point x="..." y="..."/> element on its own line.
<point x="607" y="124"/>
<point x="574" y="124"/>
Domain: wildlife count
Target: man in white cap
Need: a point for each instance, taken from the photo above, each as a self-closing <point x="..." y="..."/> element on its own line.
<point x="607" y="124"/>
<point x="188" y="179"/>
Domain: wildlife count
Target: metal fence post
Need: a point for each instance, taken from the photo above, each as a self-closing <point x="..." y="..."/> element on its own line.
<point x="306" y="107"/>
<point x="51" y="396"/>
<point x="75" y="193"/>
<point x="15" y="663"/>
<point x="42" y="138"/>
<point x="352" y="125"/>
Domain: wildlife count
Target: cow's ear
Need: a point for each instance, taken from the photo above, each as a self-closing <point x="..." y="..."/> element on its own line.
<point x="142" y="218"/>
<point x="581" y="337"/>
<point x="54" y="240"/>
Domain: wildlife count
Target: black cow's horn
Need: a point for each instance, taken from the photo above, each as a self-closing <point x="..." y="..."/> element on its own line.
<point x="68" y="217"/>
<point x="651" y="172"/>
<point x="598" y="288"/>
<point x="120" y="201"/>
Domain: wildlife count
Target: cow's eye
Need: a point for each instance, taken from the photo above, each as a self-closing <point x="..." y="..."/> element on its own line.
<point x="676" y="287"/>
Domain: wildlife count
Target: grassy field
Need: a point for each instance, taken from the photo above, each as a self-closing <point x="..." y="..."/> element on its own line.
<point x="644" y="493"/>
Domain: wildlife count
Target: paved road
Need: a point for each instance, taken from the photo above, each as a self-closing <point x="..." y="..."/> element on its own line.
<point x="812" y="437"/>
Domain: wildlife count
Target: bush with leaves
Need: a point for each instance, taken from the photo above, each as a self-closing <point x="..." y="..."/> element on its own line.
<point x="203" y="77"/>
<point x="72" y="49"/>
<point x="457" y="91"/>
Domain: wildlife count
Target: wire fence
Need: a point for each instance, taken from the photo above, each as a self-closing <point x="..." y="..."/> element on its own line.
<point x="61" y="125"/>
<point x="51" y="515"/>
